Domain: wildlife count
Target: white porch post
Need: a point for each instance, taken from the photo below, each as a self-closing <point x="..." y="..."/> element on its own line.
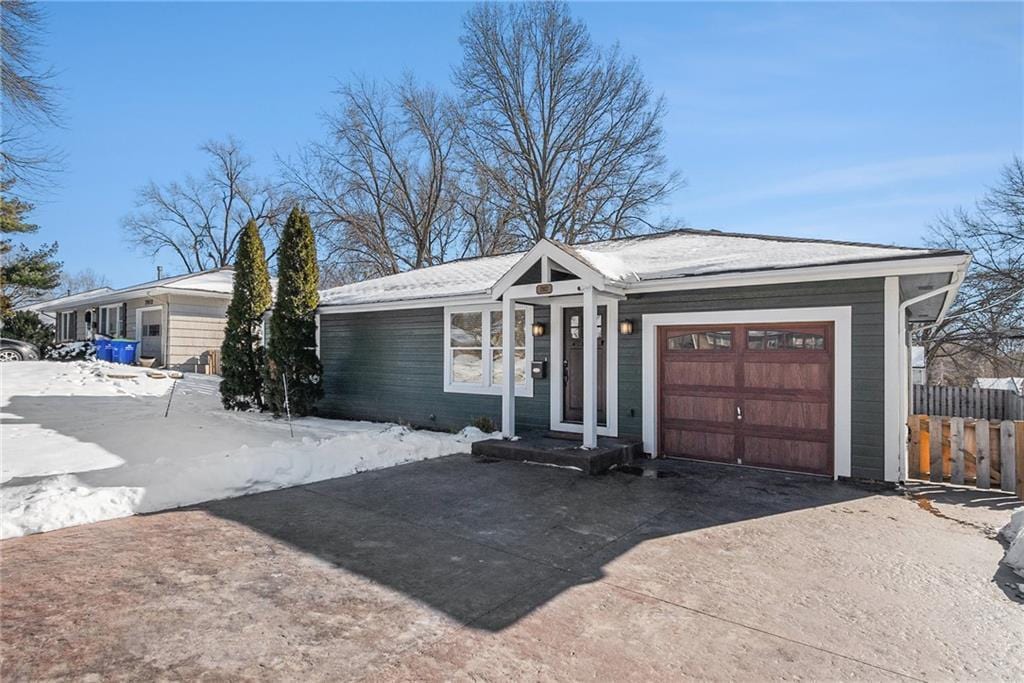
<point x="589" y="368"/>
<point x="508" y="355"/>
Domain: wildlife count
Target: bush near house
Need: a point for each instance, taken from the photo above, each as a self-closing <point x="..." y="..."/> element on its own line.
<point x="27" y="326"/>
<point x="292" y="348"/>
<point x="242" y="354"/>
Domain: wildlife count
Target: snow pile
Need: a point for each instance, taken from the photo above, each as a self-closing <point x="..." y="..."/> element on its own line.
<point x="57" y="502"/>
<point x="1013" y="533"/>
<point x="80" y="445"/>
<point x="72" y="350"/>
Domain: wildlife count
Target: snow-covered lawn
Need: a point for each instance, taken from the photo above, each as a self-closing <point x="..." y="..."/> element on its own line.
<point x="78" y="445"/>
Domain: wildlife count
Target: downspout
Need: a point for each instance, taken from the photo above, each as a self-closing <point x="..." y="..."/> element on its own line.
<point x="904" y="377"/>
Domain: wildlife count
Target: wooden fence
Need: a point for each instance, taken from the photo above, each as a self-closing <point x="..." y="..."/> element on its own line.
<point x="981" y="453"/>
<point x="988" y="404"/>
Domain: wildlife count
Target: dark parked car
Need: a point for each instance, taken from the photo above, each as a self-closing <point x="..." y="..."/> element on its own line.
<point x="12" y="350"/>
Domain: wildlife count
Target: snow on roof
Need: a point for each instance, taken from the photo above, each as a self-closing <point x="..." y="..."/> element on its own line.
<point x="1014" y="384"/>
<point x="680" y="253"/>
<point x="60" y="300"/>
<point x="688" y="252"/>
<point x="457" y="278"/>
<point x="217" y="281"/>
<point x="220" y="280"/>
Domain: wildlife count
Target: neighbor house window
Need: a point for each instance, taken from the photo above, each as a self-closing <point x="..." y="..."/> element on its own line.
<point x="66" y="326"/>
<point x="110" y="320"/>
<point x="474" y="355"/>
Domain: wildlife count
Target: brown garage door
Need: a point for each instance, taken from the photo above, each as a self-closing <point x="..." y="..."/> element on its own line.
<point x="750" y="394"/>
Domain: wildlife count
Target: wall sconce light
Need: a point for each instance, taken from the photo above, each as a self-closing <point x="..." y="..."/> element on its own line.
<point x="538" y="329"/>
<point x="625" y="327"/>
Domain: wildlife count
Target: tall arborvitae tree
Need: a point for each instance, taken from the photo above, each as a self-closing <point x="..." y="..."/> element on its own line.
<point x="292" y="344"/>
<point x="243" y="357"/>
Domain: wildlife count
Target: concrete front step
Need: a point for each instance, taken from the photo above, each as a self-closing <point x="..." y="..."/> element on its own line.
<point x="557" y="450"/>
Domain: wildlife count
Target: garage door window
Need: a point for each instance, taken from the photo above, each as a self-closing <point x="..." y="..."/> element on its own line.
<point x="793" y="340"/>
<point x="711" y="340"/>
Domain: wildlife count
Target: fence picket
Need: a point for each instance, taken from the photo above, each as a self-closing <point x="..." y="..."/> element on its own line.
<point x="981" y="439"/>
<point x="935" y="448"/>
<point x="1007" y="457"/>
<point x="956" y="450"/>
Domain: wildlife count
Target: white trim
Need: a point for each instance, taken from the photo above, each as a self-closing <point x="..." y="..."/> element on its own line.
<point x="508" y="348"/>
<point x="63" y="323"/>
<point x="117" y="328"/>
<point x="407" y="304"/>
<point x="563" y="257"/>
<point x="892" y="341"/>
<point x="486" y="389"/>
<point x="838" y="271"/>
<point x="163" y="330"/>
<point x="840" y="316"/>
<point x="611" y="413"/>
<point x="317" y="321"/>
<point x="590" y="369"/>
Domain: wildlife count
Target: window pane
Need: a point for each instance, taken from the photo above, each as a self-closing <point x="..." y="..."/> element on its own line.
<point x="784" y="339"/>
<point x="467" y="367"/>
<point x="711" y="340"/>
<point x="496" y="318"/>
<point x="467" y="330"/>
<point x="498" y="367"/>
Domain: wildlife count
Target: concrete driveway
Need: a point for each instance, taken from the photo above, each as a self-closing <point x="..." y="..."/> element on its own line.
<point x="459" y="568"/>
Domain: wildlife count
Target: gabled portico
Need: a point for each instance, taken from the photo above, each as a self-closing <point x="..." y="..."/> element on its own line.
<point x="553" y="274"/>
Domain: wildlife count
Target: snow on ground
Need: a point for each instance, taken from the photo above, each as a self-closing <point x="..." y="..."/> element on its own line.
<point x="79" y="445"/>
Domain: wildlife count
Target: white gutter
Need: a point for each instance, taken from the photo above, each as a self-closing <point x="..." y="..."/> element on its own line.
<point x="949" y="290"/>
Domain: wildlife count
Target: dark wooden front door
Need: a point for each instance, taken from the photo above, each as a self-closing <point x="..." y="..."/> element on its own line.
<point x="750" y="394"/>
<point x="572" y="365"/>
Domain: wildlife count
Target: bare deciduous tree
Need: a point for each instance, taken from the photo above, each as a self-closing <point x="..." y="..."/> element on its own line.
<point x="382" y="190"/>
<point x="568" y="134"/>
<point x="984" y="331"/>
<point x="82" y="281"/>
<point x="200" y="219"/>
<point x="29" y="101"/>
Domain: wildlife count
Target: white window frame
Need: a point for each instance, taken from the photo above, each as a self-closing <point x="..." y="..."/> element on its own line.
<point x="486" y="387"/>
<point x="63" y="325"/>
<point x="117" y="317"/>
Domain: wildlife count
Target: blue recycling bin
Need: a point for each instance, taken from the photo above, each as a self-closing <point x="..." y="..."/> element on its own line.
<point x="104" y="350"/>
<point x="124" y="350"/>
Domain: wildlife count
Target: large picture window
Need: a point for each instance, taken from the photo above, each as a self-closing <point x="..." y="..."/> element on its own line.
<point x="474" y="361"/>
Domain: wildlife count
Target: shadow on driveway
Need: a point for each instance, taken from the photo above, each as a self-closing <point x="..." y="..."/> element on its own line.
<point x="489" y="542"/>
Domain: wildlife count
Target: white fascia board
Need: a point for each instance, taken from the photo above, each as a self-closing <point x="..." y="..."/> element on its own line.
<point x="838" y="271"/>
<point x="406" y="304"/>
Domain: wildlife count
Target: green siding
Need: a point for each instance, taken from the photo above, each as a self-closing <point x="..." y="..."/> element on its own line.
<point x="389" y="365"/>
<point x="864" y="296"/>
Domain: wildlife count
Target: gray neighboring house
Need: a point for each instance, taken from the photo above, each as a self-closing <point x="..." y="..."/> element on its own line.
<point x="69" y="300"/>
<point x="767" y="351"/>
<point x="178" y="320"/>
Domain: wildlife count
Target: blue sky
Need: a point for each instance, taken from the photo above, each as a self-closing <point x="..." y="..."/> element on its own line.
<point x="847" y="121"/>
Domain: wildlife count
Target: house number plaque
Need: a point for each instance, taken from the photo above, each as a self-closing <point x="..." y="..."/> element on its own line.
<point x="545" y="288"/>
